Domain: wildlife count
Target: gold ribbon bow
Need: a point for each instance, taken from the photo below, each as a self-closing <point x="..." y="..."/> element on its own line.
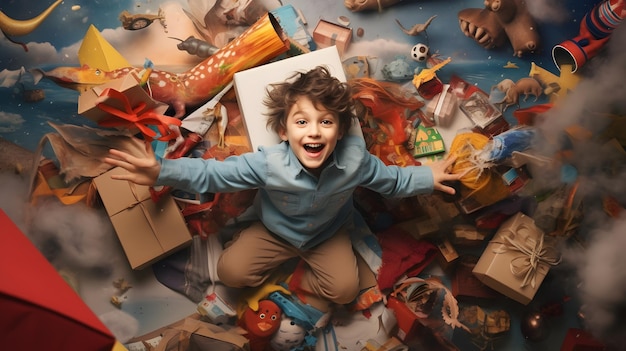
<point x="135" y="116"/>
<point x="533" y="253"/>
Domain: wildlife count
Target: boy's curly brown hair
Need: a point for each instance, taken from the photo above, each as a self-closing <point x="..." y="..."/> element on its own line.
<point x="324" y="90"/>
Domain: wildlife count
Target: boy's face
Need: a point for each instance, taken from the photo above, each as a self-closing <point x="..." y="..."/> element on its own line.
<point x="312" y="134"/>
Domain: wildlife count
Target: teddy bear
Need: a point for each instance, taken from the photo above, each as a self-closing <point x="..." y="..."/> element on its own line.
<point x="499" y="21"/>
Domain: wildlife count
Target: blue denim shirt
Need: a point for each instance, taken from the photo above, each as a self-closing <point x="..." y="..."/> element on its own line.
<point x="291" y="202"/>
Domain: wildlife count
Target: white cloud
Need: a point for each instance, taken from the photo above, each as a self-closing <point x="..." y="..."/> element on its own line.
<point x="10" y="122"/>
<point x="600" y="265"/>
<point x="553" y="11"/>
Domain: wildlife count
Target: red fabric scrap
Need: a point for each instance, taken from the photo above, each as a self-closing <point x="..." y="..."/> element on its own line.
<point x="401" y="253"/>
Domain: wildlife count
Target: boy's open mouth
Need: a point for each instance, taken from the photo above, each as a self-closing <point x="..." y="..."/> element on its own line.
<point x="313" y="147"/>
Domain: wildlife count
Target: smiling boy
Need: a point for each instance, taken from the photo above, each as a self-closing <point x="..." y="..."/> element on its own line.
<point x="303" y="207"/>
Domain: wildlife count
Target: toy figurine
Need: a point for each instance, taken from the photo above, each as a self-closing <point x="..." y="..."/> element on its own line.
<point x="195" y="46"/>
<point x="260" y="43"/>
<point x="501" y="19"/>
<point x="289" y="336"/>
<point x="418" y="28"/>
<point x="261" y="324"/>
<point x="526" y="86"/>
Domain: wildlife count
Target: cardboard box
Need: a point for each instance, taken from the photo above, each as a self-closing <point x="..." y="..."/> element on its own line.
<point x="430" y="215"/>
<point x="148" y="231"/>
<point x="443" y="107"/>
<point x="129" y="86"/>
<point x="447" y="255"/>
<point x="292" y="21"/>
<point x="465" y="286"/>
<point x="327" y="34"/>
<point x="505" y="263"/>
<point x="251" y="84"/>
<point x="40" y="310"/>
<point x="216" y="309"/>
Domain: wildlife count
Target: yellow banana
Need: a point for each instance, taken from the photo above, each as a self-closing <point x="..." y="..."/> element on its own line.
<point x="13" y="27"/>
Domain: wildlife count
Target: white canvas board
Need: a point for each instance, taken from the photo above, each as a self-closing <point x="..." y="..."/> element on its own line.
<point x="250" y="87"/>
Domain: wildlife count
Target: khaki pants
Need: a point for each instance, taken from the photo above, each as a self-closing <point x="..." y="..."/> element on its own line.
<point x="331" y="272"/>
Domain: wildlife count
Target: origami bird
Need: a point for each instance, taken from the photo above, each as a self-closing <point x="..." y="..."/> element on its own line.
<point x="418" y="28"/>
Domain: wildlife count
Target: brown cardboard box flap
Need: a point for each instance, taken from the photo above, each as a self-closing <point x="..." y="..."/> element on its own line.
<point x="517" y="259"/>
<point x="147" y="230"/>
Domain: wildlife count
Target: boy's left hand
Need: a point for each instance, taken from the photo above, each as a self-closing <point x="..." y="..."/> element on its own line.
<point x="441" y="174"/>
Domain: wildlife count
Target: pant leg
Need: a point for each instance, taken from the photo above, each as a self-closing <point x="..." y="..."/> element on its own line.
<point x="250" y="258"/>
<point x="332" y="271"/>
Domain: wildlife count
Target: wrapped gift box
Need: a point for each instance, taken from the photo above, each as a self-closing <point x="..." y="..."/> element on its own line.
<point x="129" y="86"/>
<point x="40" y="311"/>
<point x="517" y="259"/>
<point x="146" y="229"/>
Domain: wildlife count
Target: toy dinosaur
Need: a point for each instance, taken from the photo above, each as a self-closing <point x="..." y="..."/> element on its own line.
<point x="258" y="44"/>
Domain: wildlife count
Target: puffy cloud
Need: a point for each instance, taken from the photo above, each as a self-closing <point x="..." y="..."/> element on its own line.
<point x="554" y="11"/>
<point x="599" y="266"/>
<point x="10" y="122"/>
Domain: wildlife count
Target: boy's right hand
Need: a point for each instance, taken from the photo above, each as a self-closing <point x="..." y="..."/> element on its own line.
<point x="142" y="170"/>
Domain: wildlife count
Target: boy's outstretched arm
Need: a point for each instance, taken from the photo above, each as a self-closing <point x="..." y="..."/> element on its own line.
<point x="441" y="174"/>
<point x="142" y="170"/>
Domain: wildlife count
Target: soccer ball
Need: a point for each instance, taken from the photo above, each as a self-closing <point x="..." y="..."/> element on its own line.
<point x="419" y="52"/>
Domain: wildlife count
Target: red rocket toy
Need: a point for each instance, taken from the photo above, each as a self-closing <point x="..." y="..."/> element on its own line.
<point x="595" y="30"/>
